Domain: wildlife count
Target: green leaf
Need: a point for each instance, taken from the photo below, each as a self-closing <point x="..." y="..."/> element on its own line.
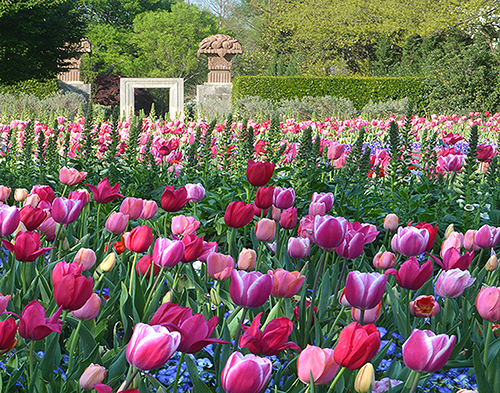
<point x="199" y="385"/>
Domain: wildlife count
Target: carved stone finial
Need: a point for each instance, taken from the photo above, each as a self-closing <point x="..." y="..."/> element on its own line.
<point x="220" y="49"/>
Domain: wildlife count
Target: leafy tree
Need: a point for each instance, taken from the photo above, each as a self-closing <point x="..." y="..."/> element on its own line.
<point x="37" y="38"/>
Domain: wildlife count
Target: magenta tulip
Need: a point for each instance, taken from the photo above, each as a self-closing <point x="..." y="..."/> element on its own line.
<point x="487" y="236"/>
<point x="8" y="330"/>
<point x="272" y="340"/>
<point x="151" y="346"/>
<point x="104" y="193"/>
<point x="298" y="247"/>
<point x="426" y="352"/>
<point x="453" y="260"/>
<point x="288" y="218"/>
<point x="283" y="198"/>
<point x="259" y="173"/>
<point x="250" y="290"/>
<point x="168" y="253"/>
<point x="173" y="201"/>
<point x="365" y="290"/>
<point x="410" y="241"/>
<point x="9" y="219"/>
<point x="65" y="211"/>
<point x="329" y="232"/>
<point x="34" y="326"/>
<point x="246" y="374"/>
<point x="324" y="197"/>
<point x="26" y="247"/>
<point x="411" y="275"/>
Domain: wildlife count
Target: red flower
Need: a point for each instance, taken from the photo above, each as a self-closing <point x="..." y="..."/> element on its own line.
<point x="26" y="247"/>
<point x="193" y="247"/>
<point x="174" y="201"/>
<point x="32" y="217"/>
<point x="259" y="173"/>
<point x="71" y="289"/>
<point x="104" y="193"/>
<point x="357" y="345"/>
<point x="8" y="330"/>
<point x="139" y="239"/>
<point x="34" y="326"/>
<point x="432" y="233"/>
<point x="238" y="214"/>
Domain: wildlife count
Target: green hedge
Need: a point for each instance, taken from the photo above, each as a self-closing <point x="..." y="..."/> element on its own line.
<point x="360" y="90"/>
<point x="31" y="87"/>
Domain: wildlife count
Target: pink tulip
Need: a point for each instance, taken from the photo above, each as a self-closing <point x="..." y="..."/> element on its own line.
<point x="453" y="260"/>
<point x="283" y="198"/>
<point x="370" y="316"/>
<point x="247" y="259"/>
<point x="286" y="284"/>
<point x="411" y="275"/>
<point x="316" y="361"/>
<point x="70" y="176"/>
<point x="195" y="192"/>
<point x="116" y="223"/>
<point x="219" y="266"/>
<point x="391" y="222"/>
<point x="410" y="241"/>
<point x="306" y="228"/>
<point x="470" y="240"/>
<point x="168" y="253"/>
<point x="45" y="193"/>
<point x="423" y="351"/>
<point x="4" y="193"/>
<point x="265" y="230"/>
<point x="488" y="303"/>
<point x="182" y="225"/>
<point x="132" y="207"/>
<point x="329" y="232"/>
<point x="335" y="150"/>
<point x="487" y="236"/>
<point x="81" y="194"/>
<point x="455" y="240"/>
<point x="9" y="219"/>
<point x="325" y="198"/>
<point x="93" y="374"/>
<point x="151" y="346"/>
<point x="246" y="374"/>
<point x="250" y="290"/>
<point x="65" y="211"/>
<point x="384" y="260"/>
<point x="86" y="258"/>
<point x="4" y="301"/>
<point x="298" y="247"/>
<point x="149" y="209"/>
<point x="365" y="290"/>
<point x="317" y="209"/>
<point x="90" y="309"/>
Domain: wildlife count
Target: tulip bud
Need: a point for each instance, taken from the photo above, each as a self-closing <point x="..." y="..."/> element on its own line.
<point x="215" y="297"/>
<point x="85" y="257"/>
<point x="4" y="193"/>
<point x="492" y="263"/>
<point x="32" y="200"/>
<point x="108" y="263"/>
<point x="384" y="260"/>
<point x="391" y="222"/>
<point x="449" y="230"/>
<point x="247" y="259"/>
<point x="265" y="230"/>
<point x="65" y="244"/>
<point x="20" y="194"/>
<point x="365" y="379"/>
<point x="93" y="374"/>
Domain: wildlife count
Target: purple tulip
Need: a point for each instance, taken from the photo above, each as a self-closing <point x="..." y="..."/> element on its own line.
<point x="250" y="290"/>
<point x="65" y="211"/>
<point x="365" y="290"/>
<point x="9" y="219"/>
<point x="410" y="241"/>
<point x="283" y="198"/>
<point x="329" y="232"/>
<point x="487" y="236"/>
<point x="452" y="283"/>
<point x="246" y="374"/>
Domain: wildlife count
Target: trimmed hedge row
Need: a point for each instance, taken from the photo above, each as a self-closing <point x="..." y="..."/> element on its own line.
<point x="360" y="90"/>
<point x="32" y="87"/>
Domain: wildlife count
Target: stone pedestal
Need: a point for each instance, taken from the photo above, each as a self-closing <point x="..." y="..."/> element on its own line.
<point x="76" y="87"/>
<point x="214" y="100"/>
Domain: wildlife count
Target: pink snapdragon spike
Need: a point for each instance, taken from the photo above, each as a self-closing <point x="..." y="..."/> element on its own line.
<point x="452" y="283"/>
<point x="250" y="290"/>
<point x="270" y="341"/>
<point x="151" y="346"/>
<point x="104" y="193"/>
<point x="410" y="241"/>
<point x="427" y="352"/>
<point x="365" y="290"/>
<point x="488" y="303"/>
<point x="246" y="374"/>
<point x="329" y="232"/>
<point x="411" y="275"/>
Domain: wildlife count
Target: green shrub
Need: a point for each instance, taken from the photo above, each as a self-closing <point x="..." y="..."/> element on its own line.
<point x="382" y="110"/>
<point x="34" y="87"/>
<point x="360" y="90"/>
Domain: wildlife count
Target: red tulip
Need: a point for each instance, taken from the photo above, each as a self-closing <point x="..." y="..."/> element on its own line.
<point x="272" y="340"/>
<point x="151" y="346"/>
<point x="193" y="247"/>
<point x="72" y="291"/>
<point x="8" y="330"/>
<point x="426" y="352"/>
<point x="139" y="239"/>
<point x="32" y="217"/>
<point x="356" y="345"/>
<point x="485" y="152"/>
<point x="432" y="233"/>
<point x="238" y="214"/>
<point x="173" y="201"/>
<point x="9" y="219"/>
<point x="196" y="331"/>
<point x="145" y="265"/>
<point x="34" y="326"/>
<point x="168" y="253"/>
<point x="316" y="361"/>
<point x="70" y="176"/>
<point x="26" y="247"/>
<point x="246" y="374"/>
<point x="132" y="207"/>
<point x="411" y="275"/>
<point x="424" y="306"/>
<point x="104" y="193"/>
<point x="169" y="314"/>
<point x="264" y="197"/>
<point x="65" y="211"/>
<point x="259" y="173"/>
<point x="45" y="193"/>
<point x="250" y="290"/>
<point x="288" y="218"/>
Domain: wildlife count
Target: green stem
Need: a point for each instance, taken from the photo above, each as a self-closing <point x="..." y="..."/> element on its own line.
<point x="337" y="377"/>
<point x="132" y="273"/>
<point x="178" y="373"/>
<point x="487" y="343"/>
<point x="315" y="289"/>
<point x="238" y="331"/>
<point x="415" y="383"/>
<point x="153" y="289"/>
<point x="362" y="317"/>
<point x="72" y="346"/>
<point x="98" y="215"/>
<point x="23" y="278"/>
<point x="176" y="278"/>
<point x="230" y="240"/>
<point x="339" y="283"/>
<point x="130" y="378"/>
<point x="32" y="351"/>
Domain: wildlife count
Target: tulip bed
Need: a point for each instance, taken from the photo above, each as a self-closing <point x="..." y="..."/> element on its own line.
<point x="336" y="256"/>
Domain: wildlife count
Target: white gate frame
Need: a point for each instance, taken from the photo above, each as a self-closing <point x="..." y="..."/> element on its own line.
<point x="176" y="94"/>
